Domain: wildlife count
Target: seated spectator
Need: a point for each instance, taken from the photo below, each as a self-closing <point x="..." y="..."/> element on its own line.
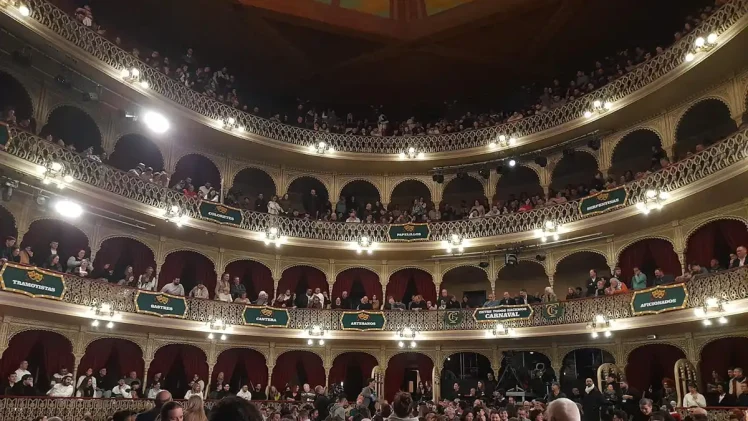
<point x="24" y="387"/>
<point x="491" y="302"/>
<point x="190" y="192"/>
<point x="571" y="294"/>
<point x="714" y="266"/>
<point x="262" y="298"/>
<point x="417" y="304"/>
<point x="453" y="303"/>
<point x="741" y="258"/>
<point x="199" y="291"/>
<point x="548" y="296"/>
<point x="507" y="300"/>
<point x="53" y="263"/>
<point x="364" y="305"/>
<point x="147" y="281"/>
<point x="75" y="261"/>
<point x="122" y="390"/>
<point x="661" y="278"/>
<point x="639" y="280"/>
<point x="174" y="288"/>
<point x="599" y="289"/>
<point x="63" y="389"/>
<point x="616" y="287"/>
<point x="237" y="288"/>
<point x="394" y="305"/>
<point x="523" y="298"/>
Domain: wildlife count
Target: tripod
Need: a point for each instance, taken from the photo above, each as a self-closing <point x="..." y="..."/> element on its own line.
<point x="511" y="374"/>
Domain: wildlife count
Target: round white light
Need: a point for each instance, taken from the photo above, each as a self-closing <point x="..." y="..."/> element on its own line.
<point x="56" y="166"/>
<point x="555" y="237"/>
<point x="690" y="57"/>
<point x="232" y="120"/>
<point x="223" y="337"/>
<point x="110" y="325"/>
<point x="411" y="150"/>
<point x="24" y="10"/>
<point x="144" y="84"/>
<point x="401" y="344"/>
<point x="699" y="312"/>
<point x="135" y="72"/>
<point x="722" y="320"/>
<point x="210" y="336"/>
<point x="401" y="155"/>
<point x="700" y="41"/>
<point x="608" y="334"/>
<point x="312" y="148"/>
<point x="310" y="342"/>
<point x="95" y="323"/>
<point x="492" y="145"/>
<point x="712" y="38"/>
<point x="321" y="341"/>
<point x="512" y="141"/>
<point x="587" y="114"/>
<point x="502" y="138"/>
<point x="68" y="179"/>
<point x="707" y="322"/>
<point x="608" y="105"/>
<point x="594" y="335"/>
<point x="156" y="122"/>
<point x="421" y="155"/>
<point x="125" y="73"/>
<point x="597" y="103"/>
<point x="512" y="162"/>
<point x="68" y="209"/>
<point x="273" y="230"/>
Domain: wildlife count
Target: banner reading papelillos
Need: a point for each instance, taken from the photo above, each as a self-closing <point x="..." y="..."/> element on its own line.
<point x="659" y="299"/>
<point x="32" y="281"/>
<point x="362" y="320"/>
<point x="160" y="304"/>
<point x="409" y="232"/>
<point x="220" y="213"/>
<point x="502" y="313"/>
<point x="603" y="201"/>
<point x="264" y="316"/>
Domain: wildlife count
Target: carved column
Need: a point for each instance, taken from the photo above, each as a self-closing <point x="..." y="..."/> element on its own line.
<point x="270" y="377"/>
<point x="146" y="366"/>
<point x="77" y="362"/>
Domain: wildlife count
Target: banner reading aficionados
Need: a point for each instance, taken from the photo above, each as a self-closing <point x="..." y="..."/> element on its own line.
<point x="603" y="201"/>
<point x="659" y="299"/>
<point x="502" y="313"/>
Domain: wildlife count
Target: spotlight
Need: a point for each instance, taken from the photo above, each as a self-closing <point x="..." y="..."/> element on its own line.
<point x="540" y="257"/>
<point x="24" y="10"/>
<point x="68" y="209"/>
<point x="156" y="122"/>
<point x="484" y="173"/>
<point x="512" y="163"/>
<point x="594" y="144"/>
<point x="542" y="161"/>
<point x="438" y="178"/>
<point x="499" y="169"/>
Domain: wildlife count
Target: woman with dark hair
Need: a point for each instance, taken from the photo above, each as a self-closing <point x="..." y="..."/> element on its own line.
<point x="536" y="415"/>
<point x="402" y="406"/>
<point x="86" y="388"/>
<point x="53" y="263"/>
<point x="171" y="411"/>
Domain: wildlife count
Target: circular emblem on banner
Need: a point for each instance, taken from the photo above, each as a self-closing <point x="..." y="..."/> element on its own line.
<point x="553" y="311"/>
<point x="453" y="318"/>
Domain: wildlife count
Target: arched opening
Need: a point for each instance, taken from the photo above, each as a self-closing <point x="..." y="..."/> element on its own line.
<point x="703" y="124"/>
<point x="118" y="356"/>
<point x="357" y="283"/>
<point x="649" y="254"/>
<point x="121" y="252"/>
<point x="298" y="279"/>
<point x="462" y="192"/>
<point x="240" y="367"/>
<point x="581" y="364"/>
<point x="191" y="268"/>
<point x="351" y="370"/>
<point x="358" y="194"/>
<point x="15" y="97"/>
<point x="517" y="183"/>
<point x="574" y="170"/>
<point x="526" y="368"/>
<point x="296" y="368"/>
<point x="199" y="169"/>
<point x="634" y="153"/>
<point x="527" y="275"/>
<point x="650" y="364"/>
<point x="405" y="283"/>
<point x="42" y="232"/>
<point x="253" y="275"/>
<point x="574" y="269"/>
<point x="302" y="199"/>
<point x="406" y="191"/>
<point x="249" y="184"/>
<point x="405" y="371"/>
<point x="178" y="364"/>
<point x="133" y="149"/>
<point x="73" y="126"/>
<point x="468" y="284"/>
<point x="8" y="224"/>
<point x="465" y="369"/>
<point x="46" y="352"/>
<point x="716" y="240"/>
<point x="719" y="356"/>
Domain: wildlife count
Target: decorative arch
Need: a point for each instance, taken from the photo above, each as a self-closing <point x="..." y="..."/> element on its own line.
<point x="178" y="363"/>
<point x="192" y="267"/>
<point x="574" y="169"/>
<point x="715" y="238"/>
<point x="254" y="275"/>
<point x="467" y="281"/>
<point x="352" y="369"/>
<point x="8" y="224"/>
<point x="199" y="168"/>
<point x="648" y="364"/>
<point x="119" y="356"/>
<point x="297" y="368"/>
<point x="252" y="181"/>
<point x="572" y="270"/>
<point x="480" y="359"/>
<point x="526" y="274"/>
<point x="634" y="151"/>
<point x="132" y="149"/>
<point x="16" y="95"/>
<point x="405" y="190"/>
<point x="123" y="251"/>
<point x="363" y="190"/>
<point x="297" y="279"/>
<point x="647" y="254"/>
<point x="463" y="187"/>
<point x="517" y="182"/>
<point x="46" y="352"/>
<point x="399" y="368"/>
<point x="41" y="232"/>
<point x="299" y="189"/>
<point x="358" y="282"/>
<point x="74" y="126"/>
<point x="580" y="364"/>
<point x="720" y="354"/>
<point x="240" y="366"/>
<point x="405" y="283"/>
<point x="703" y="122"/>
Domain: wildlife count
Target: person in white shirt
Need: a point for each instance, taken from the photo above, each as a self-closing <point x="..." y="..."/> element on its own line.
<point x="694" y="398"/>
<point x="245" y="393"/>
<point x="64" y="389"/>
<point x="147" y="281"/>
<point x="57" y="377"/>
<point x="352" y="217"/>
<point x="200" y="292"/>
<point x="174" y="288"/>
<point x="122" y="390"/>
<point x="273" y="207"/>
<point x="153" y="391"/>
<point x="81" y="379"/>
<point x="318" y="294"/>
<point x="22" y="370"/>
<point x="195" y="391"/>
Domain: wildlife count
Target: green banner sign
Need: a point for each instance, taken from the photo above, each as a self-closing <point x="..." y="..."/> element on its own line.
<point x="502" y="313"/>
<point x="603" y="201"/>
<point x="453" y="317"/>
<point x="553" y="311"/>
<point x="264" y="316"/>
<point x="31" y="281"/>
<point x="409" y="232"/>
<point x="659" y="299"/>
<point x="220" y="213"/>
<point x="362" y="320"/>
<point x="160" y="304"/>
<point x="5" y="136"/>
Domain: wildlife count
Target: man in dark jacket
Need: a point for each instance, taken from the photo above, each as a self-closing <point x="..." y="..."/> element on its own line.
<point x="592" y="400"/>
<point x="259" y="394"/>
<point x="162" y="398"/>
<point x="629" y="398"/>
<point x="25" y="387"/>
<point x="321" y="403"/>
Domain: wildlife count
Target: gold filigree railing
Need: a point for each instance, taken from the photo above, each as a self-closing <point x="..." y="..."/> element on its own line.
<point x="643" y="75"/>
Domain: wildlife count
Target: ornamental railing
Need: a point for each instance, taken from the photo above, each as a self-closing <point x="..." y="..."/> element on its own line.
<point x="717" y="157"/>
<point x="727" y="286"/>
<point x="112" y="55"/>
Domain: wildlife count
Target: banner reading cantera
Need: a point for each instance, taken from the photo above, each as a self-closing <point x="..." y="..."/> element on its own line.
<point x="32" y="281"/>
<point x="264" y="316"/>
<point x="502" y="313"/>
<point x="604" y="201"/>
<point x="160" y="304"/>
<point x="220" y="213"/>
<point x="362" y="320"/>
<point x="659" y="299"/>
<point x="409" y="232"/>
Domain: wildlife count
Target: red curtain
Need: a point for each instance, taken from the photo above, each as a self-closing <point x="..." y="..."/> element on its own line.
<point x="399" y="283"/>
<point x="57" y="351"/>
<point x="199" y="168"/>
<point x="647" y="255"/>
<point x="122" y="252"/>
<point x="193" y="359"/>
<point x="255" y="276"/>
<point x="395" y="373"/>
<point x="296" y="276"/>
<point x="369" y="280"/>
<point x="722" y="354"/>
<point x="288" y="365"/>
<point x="191" y="267"/>
<point x="129" y="356"/>
<point x="649" y="364"/>
<point x="254" y="362"/>
<point x="362" y="360"/>
<point x="704" y="244"/>
<point x="44" y="231"/>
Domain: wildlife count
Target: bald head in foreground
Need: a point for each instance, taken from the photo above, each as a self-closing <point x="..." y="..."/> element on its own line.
<point x="563" y="409"/>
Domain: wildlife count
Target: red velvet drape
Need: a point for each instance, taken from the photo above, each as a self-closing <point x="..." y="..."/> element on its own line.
<point x="193" y="359"/>
<point x="254" y="362"/>
<point x="191" y="267"/>
<point x="649" y="364"/>
<point x="122" y="252"/>
<point x="129" y="356"/>
<point x="647" y="255"/>
<point x="58" y="351"/>
<point x="287" y="367"/>
<point x="255" y="276"/>
<point x="44" y="231"/>
<point x="701" y="246"/>
<point x="362" y="360"/>
<point x="722" y="354"/>
<point x="394" y="375"/>
<point x="399" y="280"/>
<point x="369" y="280"/>
<point x="199" y="168"/>
<point x="293" y="277"/>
